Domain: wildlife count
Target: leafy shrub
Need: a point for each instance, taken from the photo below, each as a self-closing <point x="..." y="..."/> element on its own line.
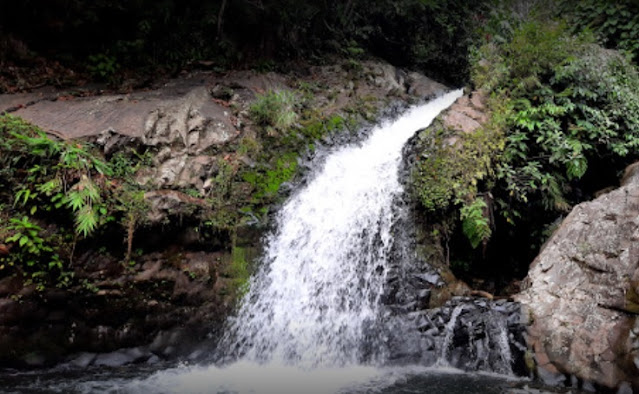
<point x="103" y="67"/>
<point x="27" y="236"/>
<point x="58" y="173"/>
<point x="575" y="102"/>
<point x="53" y="179"/>
<point x="616" y="23"/>
<point x="450" y="173"/>
<point x="558" y="103"/>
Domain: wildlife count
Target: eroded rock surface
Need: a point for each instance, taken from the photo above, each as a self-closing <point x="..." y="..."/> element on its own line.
<point x="467" y="113"/>
<point x="583" y="291"/>
<point x="161" y="307"/>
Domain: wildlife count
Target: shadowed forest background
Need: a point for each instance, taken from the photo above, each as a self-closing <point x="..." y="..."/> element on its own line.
<point x="107" y="38"/>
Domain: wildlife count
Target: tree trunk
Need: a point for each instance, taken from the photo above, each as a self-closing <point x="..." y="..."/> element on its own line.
<point x="220" y="21"/>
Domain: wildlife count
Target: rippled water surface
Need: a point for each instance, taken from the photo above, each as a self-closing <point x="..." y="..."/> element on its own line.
<point x="244" y="377"/>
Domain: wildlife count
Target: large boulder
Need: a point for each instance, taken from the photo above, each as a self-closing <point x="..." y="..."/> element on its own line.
<point x="582" y="292"/>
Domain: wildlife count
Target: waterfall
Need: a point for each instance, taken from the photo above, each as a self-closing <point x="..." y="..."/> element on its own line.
<point x="504" y="347"/>
<point x="315" y="301"/>
<point x="448" y="338"/>
<point x="317" y="317"/>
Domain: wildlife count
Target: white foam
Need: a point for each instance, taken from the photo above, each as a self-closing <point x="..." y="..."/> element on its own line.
<point x="315" y="302"/>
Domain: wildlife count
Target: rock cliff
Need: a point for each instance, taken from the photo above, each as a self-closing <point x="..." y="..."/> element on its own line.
<point x="582" y="292"/>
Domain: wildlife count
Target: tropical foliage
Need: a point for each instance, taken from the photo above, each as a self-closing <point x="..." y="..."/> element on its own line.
<point x="563" y="123"/>
<point x="49" y="178"/>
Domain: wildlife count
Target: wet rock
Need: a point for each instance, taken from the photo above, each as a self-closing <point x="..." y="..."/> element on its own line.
<point x="467" y="114"/>
<point x="423" y="298"/>
<point x="625" y="388"/>
<point x="10" y="285"/>
<point x="420" y="86"/>
<point x="467" y="333"/>
<point x="549" y="377"/>
<point x="83" y="360"/>
<point x="113" y="359"/>
<point x="169" y="202"/>
<point x="154" y="359"/>
<point x="387" y="77"/>
<point x="35" y="359"/>
<point x="433" y="279"/>
<point x="478" y="336"/>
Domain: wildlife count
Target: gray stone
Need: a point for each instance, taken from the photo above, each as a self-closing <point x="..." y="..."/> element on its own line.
<point x="113" y="359"/>
<point x="433" y="279"/>
<point x="421" y="86"/>
<point x="35" y="360"/>
<point x="588" y="387"/>
<point x="624" y="388"/>
<point x="164" y="203"/>
<point x="83" y="360"/>
<point x="137" y="354"/>
<point x="550" y="378"/>
<point x="580" y="290"/>
<point x="154" y="359"/>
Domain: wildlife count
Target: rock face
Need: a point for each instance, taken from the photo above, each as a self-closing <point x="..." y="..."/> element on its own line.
<point x="189" y="122"/>
<point x="467" y="113"/>
<point x="472" y="334"/>
<point x="583" y="292"/>
<point x="416" y="232"/>
<point x="172" y="306"/>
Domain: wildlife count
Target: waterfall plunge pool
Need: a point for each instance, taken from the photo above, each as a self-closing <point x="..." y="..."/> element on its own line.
<point x="247" y="377"/>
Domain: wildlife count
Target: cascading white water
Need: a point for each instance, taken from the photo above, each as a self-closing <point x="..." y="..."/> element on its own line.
<point x="504" y="347"/>
<point x="448" y="339"/>
<point x="315" y="300"/>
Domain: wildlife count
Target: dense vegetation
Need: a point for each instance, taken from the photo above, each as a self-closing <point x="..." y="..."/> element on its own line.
<point x="564" y="121"/>
<point x="44" y="179"/>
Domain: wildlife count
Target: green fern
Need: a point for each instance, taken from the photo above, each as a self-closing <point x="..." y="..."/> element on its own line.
<point x="86" y="220"/>
<point x="82" y="200"/>
<point x="475" y="224"/>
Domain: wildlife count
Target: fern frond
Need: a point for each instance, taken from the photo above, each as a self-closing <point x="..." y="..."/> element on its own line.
<point x="75" y="200"/>
<point x="86" y="221"/>
<point x="50" y="186"/>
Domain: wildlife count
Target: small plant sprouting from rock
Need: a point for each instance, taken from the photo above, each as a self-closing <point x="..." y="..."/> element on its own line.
<point x="27" y="235"/>
<point x="103" y="67"/>
<point x="238" y="272"/>
<point x="274" y="111"/>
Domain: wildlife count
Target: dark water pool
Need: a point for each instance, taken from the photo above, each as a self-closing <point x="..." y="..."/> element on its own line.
<point x="259" y="379"/>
